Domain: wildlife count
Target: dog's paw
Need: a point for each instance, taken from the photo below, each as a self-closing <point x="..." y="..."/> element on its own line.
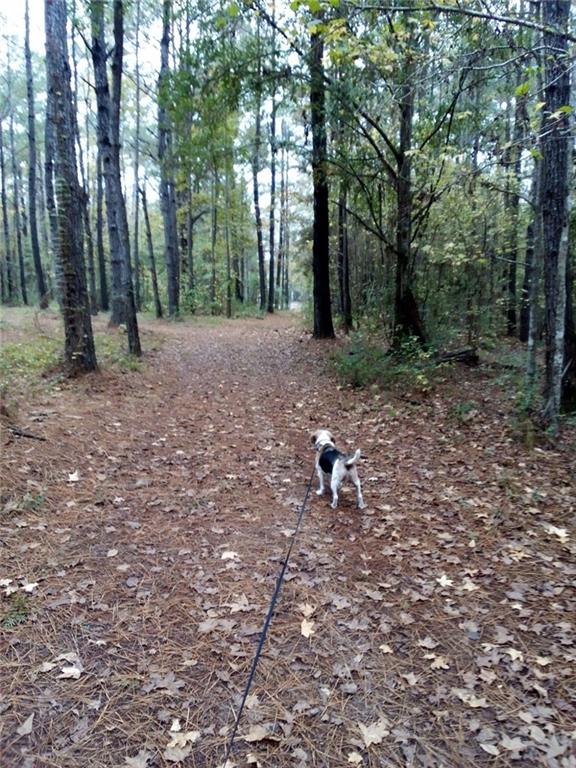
<point x="334" y="504"/>
<point x="320" y="492"/>
<point x="362" y="505"/>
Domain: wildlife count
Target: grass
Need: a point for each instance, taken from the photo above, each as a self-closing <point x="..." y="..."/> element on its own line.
<point x="18" y="611"/>
<point x="37" y="354"/>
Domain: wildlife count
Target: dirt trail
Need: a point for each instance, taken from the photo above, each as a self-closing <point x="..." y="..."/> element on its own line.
<point x="153" y="522"/>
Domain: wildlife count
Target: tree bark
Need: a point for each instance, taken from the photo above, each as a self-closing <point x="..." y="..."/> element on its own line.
<point x="153" y="273"/>
<point x="323" y="327"/>
<point x="43" y="297"/>
<point x="407" y="322"/>
<point x="10" y="282"/>
<point x="17" y="222"/>
<point x="343" y="260"/>
<point x="79" y="350"/>
<point x="167" y="183"/>
<point x="555" y="196"/>
<point x="100" y="253"/>
<point x="49" y="155"/>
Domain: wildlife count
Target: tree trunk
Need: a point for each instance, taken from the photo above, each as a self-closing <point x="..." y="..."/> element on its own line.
<point x="16" y="206"/>
<point x="323" y="327"/>
<point x="10" y="282"/>
<point x="556" y="158"/>
<point x="273" y="151"/>
<point x="513" y="206"/>
<point x="79" y="350"/>
<point x="132" y="331"/>
<point x="104" y="136"/>
<point x="101" y="255"/>
<point x="407" y="322"/>
<point x="167" y="184"/>
<point x="155" y="292"/>
<point x="84" y="187"/>
<point x="343" y="260"/>
<point x="136" y="239"/>
<point x="108" y="129"/>
<point x="49" y="155"/>
<point x="43" y="297"/>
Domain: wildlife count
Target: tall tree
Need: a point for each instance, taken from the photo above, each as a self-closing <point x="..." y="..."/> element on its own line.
<point x="79" y="350"/>
<point x="16" y="206"/>
<point x="43" y="297"/>
<point x="108" y="131"/>
<point x="8" y="262"/>
<point x="555" y="197"/>
<point x="256" y="161"/>
<point x="166" y="159"/>
<point x="323" y="327"/>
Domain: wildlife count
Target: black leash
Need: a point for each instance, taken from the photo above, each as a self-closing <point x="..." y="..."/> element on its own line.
<point x="267" y="622"/>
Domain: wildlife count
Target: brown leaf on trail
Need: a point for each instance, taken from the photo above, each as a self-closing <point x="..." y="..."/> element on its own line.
<point x="502" y="635"/>
<point x="428" y="643"/>
<point x="468" y="697"/>
<point x="512" y="745"/>
<point x="260" y="733"/>
<point x="141" y="760"/>
<point x="180" y="745"/>
<point x="26" y="728"/>
<point x="374" y="733"/>
<point x="167" y="682"/>
<point x="491" y="749"/>
<point x="306" y="609"/>
<point x="307" y="628"/>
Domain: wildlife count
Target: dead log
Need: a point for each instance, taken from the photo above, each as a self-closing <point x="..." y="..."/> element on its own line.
<point x="465" y="356"/>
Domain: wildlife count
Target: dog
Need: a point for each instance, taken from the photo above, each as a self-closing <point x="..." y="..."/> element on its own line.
<point x="338" y="466"/>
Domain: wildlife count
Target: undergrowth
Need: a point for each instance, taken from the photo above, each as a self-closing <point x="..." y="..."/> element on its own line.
<point x="366" y="361"/>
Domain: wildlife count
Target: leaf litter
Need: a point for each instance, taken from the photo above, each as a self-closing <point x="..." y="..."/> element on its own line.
<point x="447" y="630"/>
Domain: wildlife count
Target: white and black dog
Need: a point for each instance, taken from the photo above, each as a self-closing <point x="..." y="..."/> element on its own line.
<point x="336" y="465"/>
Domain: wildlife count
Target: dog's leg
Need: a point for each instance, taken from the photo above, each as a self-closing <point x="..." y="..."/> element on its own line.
<point x="320" y="474"/>
<point x="335" y="482"/>
<point x="356" y="480"/>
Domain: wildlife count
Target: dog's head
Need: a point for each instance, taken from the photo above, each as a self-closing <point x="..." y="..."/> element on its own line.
<point x="321" y="438"/>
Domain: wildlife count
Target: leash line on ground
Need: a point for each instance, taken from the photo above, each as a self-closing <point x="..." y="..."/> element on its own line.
<point x="267" y="622"/>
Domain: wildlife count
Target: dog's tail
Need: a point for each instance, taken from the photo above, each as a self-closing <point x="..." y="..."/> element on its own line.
<point x="351" y="460"/>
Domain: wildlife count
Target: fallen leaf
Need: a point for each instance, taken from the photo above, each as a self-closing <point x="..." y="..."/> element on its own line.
<point x="138" y="761"/>
<point x="385" y="648"/>
<point x="71" y="672"/>
<point x="374" y="733"/>
<point x="355" y="758"/>
<point x="74" y="477"/>
<point x="260" y="733"/>
<point x="229" y="555"/>
<point x="26" y="728"/>
<point x="512" y="745"/>
<point x="307" y="627"/>
<point x="306" y="609"/>
<point x="444" y="581"/>
<point x="492" y="749"/>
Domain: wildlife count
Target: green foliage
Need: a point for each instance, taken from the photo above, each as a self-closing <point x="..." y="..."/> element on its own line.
<point x="18" y="611"/>
<point x="366" y="362"/>
<point x="24" y="361"/>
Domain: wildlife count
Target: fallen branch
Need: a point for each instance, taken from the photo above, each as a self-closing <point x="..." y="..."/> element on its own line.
<point x="465" y="356"/>
<point x="21" y="433"/>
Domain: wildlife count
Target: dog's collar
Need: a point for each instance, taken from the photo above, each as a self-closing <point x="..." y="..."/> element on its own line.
<point x="326" y="446"/>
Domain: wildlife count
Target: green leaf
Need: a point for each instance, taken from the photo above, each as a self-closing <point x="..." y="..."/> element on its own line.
<point x="523" y="89"/>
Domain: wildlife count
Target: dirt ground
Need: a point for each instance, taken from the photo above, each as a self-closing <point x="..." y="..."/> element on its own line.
<point x="141" y="541"/>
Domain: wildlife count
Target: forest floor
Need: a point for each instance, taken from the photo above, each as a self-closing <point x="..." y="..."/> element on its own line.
<point x="141" y="541"/>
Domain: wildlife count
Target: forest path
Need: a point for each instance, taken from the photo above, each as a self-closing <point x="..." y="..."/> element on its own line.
<point x="153" y="523"/>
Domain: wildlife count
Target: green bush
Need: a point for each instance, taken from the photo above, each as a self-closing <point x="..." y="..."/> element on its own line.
<point x="366" y="362"/>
